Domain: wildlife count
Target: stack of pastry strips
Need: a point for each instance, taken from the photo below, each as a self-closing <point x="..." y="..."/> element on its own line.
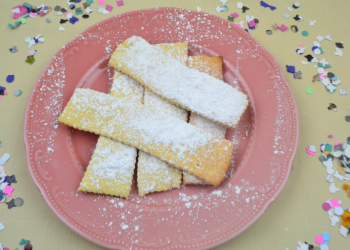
<point x="157" y="128"/>
<point x="111" y="168"/>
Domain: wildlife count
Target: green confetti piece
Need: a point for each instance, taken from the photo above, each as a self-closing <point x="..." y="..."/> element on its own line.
<point x="310" y="91"/>
<point x="328" y="148"/>
<point x="89" y="1"/>
<point x="79" y="13"/>
<point x="27" y="5"/>
<point x="305" y="33"/>
<point x="11" y="26"/>
<point x="321" y="50"/>
<point x="30" y="60"/>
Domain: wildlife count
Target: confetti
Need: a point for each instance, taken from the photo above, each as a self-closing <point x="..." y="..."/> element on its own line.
<point x="300" y="51"/>
<point x="338" y="52"/>
<point x="333" y="189"/>
<point x="10" y="204"/>
<point x="8" y="190"/>
<point x="109" y="7"/>
<point x="239" y="5"/>
<point x="290" y="69"/>
<point x="297" y="75"/>
<point x="61" y="28"/>
<point x="339" y="45"/>
<point x="17" y="92"/>
<point x="85" y="16"/>
<point x="235" y="15"/>
<point x="296" y="5"/>
<point x="326" y="206"/>
<point x="320" y="38"/>
<point x="14" y="49"/>
<point x="269" y="32"/>
<point x="330" y="136"/>
<point x="63" y="21"/>
<point x="2" y="227"/>
<point x="343" y="231"/>
<point x="294" y="28"/>
<point x="73" y="20"/>
<point x="30" y="59"/>
<point x="309" y="91"/>
<point x="267" y="5"/>
<point x="309" y="151"/>
<point x="319" y="239"/>
<point x="286" y="15"/>
<point x="298" y="18"/>
<point x="10" y="78"/>
<point x="120" y="3"/>
<point x="282" y="28"/>
<point x="5" y="157"/>
<point x="305" y="33"/>
<point x="18" y="202"/>
<point x="290" y="8"/>
<point x="48" y="20"/>
<point x="328" y="37"/>
<point x="244" y="9"/>
<point x="230" y="18"/>
<point x="312" y="23"/>
<point x="101" y="2"/>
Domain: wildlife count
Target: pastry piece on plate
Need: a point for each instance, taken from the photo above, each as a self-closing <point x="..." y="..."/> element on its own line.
<point x="153" y="174"/>
<point x="188" y="88"/>
<point x="169" y="138"/>
<point x="213" y="67"/>
<point x="111" y="168"/>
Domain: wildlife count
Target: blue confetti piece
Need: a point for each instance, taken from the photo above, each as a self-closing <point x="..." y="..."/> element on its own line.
<point x="326" y="236"/>
<point x="10" y="78"/>
<point x="246" y="30"/>
<point x="73" y="20"/>
<point x="290" y="69"/>
<point x="314" y="47"/>
<point x="267" y="5"/>
<point x="334" y="78"/>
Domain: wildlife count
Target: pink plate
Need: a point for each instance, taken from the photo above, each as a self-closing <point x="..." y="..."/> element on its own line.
<point x="189" y="217"/>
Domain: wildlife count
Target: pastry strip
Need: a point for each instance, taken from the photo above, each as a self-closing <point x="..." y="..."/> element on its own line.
<point x="180" y="144"/>
<point x="153" y="174"/>
<point x="188" y="88"/>
<point x="213" y="67"/>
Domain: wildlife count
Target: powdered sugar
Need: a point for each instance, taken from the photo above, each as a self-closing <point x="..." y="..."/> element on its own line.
<point x="177" y="83"/>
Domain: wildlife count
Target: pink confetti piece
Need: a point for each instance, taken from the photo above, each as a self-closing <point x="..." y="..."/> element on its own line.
<point x="322" y="76"/>
<point x="300" y="45"/>
<point x="282" y="28"/>
<point x="23" y="10"/>
<point x="32" y="14"/>
<point x="239" y="25"/>
<point x="101" y="2"/>
<point x="41" y="13"/>
<point x="109" y="7"/>
<point x="5" y="93"/>
<point x="235" y="15"/>
<point x="326" y="206"/>
<point x="337" y="143"/>
<point x="335" y="203"/>
<point x="310" y="152"/>
<point x="252" y="24"/>
<point x="319" y="239"/>
<point x="120" y="3"/>
<point x="330" y="136"/>
<point x="8" y="190"/>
